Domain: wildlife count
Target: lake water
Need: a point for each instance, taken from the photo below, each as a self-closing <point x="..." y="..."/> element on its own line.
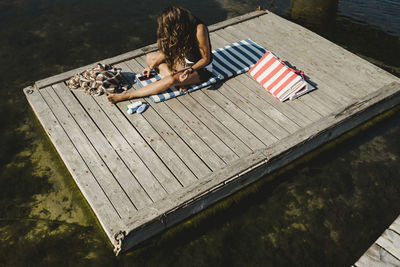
<point x="324" y="211"/>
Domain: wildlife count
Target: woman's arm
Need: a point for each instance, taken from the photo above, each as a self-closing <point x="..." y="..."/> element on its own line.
<point x="204" y="45"/>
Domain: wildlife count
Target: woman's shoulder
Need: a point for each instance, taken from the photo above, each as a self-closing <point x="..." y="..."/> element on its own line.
<point x="201" y="28"/>
<point x="202" y="32"/>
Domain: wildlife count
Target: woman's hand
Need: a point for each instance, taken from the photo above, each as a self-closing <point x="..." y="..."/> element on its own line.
<point x="147" y="71"/>
<point x="184" y="75"/>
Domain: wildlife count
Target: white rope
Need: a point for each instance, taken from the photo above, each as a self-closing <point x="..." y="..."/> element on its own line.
<point x="119" y="237"/>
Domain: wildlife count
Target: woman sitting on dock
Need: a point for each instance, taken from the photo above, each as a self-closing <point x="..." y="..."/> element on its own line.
<point x="184" y="56"/>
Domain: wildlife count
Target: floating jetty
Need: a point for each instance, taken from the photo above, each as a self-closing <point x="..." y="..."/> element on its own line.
<point x="142" y="173"/>
<point x="386" y="249"/>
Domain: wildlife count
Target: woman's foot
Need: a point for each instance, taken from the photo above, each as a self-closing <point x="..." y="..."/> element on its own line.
<point x="114" y="98"/>
<point x="183" y="89"/>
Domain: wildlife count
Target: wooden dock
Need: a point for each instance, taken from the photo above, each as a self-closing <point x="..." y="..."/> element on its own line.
<point x="386" y="249"/>
<point x="142" y="173"/>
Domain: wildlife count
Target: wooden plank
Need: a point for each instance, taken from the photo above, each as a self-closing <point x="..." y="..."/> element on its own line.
<point x="395" y="226"/>
<point x="151" y="180"/>
<point x="226" y="106"/>
<point x="183" y="130"/>
<point x="202" y="149"/>
<point x="214" y="142"/>
<point x="376" y="256"/>
<point x="181" y="145"/>
<point x="243" y="118"/>
<point x="197" y="141"/>
<point x="209" y="137"/>
<point x="277" y="116"/>
<point x="94" y="162"/>
<point x="144" y="147"/>
<point x="390" y="241"/>
<point x="221" y="123"/>
<point x="68" y="106"/>
<point x="167" y="135"/>
<point x="91" y="188"/>
<point x="244" y="104"/>
<point x="183" y="176"/>
<point x="288" y="110"/>
<point x="236" y="20"/>
<point x="152" y="128"/>
<point x="380" y="254"/>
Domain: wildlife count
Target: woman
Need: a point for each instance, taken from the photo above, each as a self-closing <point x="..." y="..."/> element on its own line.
<point x="184" y="56"/>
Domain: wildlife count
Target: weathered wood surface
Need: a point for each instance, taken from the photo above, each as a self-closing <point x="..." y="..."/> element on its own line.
<point x="183" y="163"/>
<point x="395" y="226"/>
<point x="167" y="126"/>
<point x="386" y="249"/>
<point x="280" y="153"/>
<point x="144" y="172"/>
<point x="224" y="152"/>
<point x="390" y="241"/>
<point x="377" y="256"/>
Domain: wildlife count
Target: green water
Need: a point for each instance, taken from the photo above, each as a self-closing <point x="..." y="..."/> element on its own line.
<point x="326" y="211"/>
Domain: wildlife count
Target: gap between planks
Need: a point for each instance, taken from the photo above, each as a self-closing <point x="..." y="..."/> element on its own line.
<point x="215" y="142"/>
<point x="130" y="146"/>
<point x="99" y="152"/>
<point x="170" y="127"/>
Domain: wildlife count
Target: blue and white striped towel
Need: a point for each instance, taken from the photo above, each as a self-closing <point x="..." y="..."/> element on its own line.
<point x="228" y="61"/>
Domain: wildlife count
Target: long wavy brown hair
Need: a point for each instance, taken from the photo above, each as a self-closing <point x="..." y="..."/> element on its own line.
<point x="176" y="35"/>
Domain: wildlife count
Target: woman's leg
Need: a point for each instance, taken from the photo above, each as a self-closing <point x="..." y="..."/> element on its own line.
<point x="151" y="58"/>
<point x="155" y="59"/>
<point x="156" y="87"/>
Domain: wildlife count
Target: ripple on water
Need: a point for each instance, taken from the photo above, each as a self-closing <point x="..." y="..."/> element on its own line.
<point x="382" y="14"/>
